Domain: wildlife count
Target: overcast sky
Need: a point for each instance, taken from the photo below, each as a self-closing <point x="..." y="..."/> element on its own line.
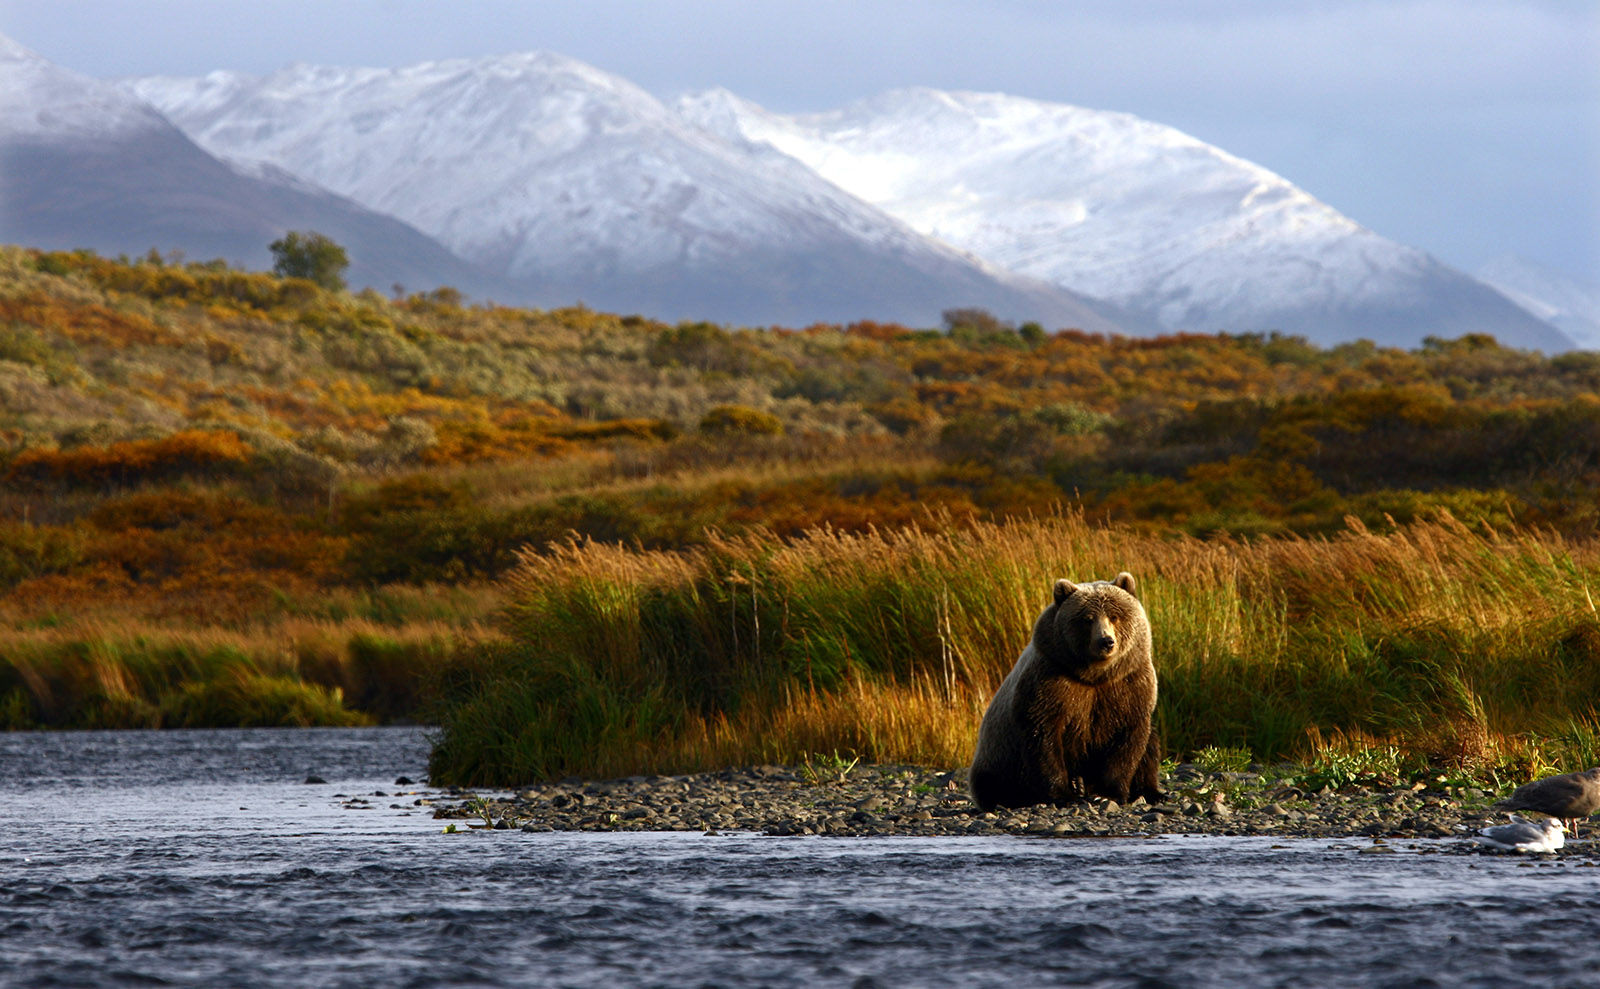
<point x="1469" y="128"/>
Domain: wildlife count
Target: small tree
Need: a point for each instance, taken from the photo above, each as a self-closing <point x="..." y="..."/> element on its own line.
<point x="981" y="322"/>
<point x="312" y="256"/>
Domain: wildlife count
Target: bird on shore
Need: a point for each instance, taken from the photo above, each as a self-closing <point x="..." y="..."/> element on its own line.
<point x="1570" y="796"/>
<point x="1523" y="835"/>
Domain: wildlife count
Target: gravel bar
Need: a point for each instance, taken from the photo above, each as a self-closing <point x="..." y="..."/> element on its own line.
<point x="883" y="799"/>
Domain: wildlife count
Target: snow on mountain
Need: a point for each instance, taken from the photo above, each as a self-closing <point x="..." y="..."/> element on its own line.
<point x="543" y="167"/>
<point x="1567" y="303"/>
<point x="43" y="101"/>
<point x="86" y="165"/>
<point x="1127" y="210"/>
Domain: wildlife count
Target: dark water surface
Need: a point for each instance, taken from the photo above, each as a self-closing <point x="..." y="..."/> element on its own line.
<point x="201" y="858"/>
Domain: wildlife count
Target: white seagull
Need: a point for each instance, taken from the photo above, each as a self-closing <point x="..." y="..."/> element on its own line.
<point x="1523" y="835"/>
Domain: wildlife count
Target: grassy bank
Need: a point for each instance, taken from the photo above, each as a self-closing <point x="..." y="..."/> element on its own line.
<point x="298" y="672"/>
<point x="1435" y="643"/>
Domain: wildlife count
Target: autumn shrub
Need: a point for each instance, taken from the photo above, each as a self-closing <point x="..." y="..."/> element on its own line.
<point x="476" y="542"/>
<point x="201" y="550"/>
<point x="720" y="419"/>
<point x="705" y="347"/>
<point x="189" y="453"/>
<point x="21" y="345"/>
<point x="30" y="551"/>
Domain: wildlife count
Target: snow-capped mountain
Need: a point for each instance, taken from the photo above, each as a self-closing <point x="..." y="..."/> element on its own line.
<point x="542" y="167"/>
<point x="1558" y="298"/>
<point x="86" y="165"/>
<point x="44" y="102"/>
<point x="1127" y="210"/>
<point x="566" y="183"/>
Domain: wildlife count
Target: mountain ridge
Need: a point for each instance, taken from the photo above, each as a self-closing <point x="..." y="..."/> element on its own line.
<point x="88" y="166"/>
<point x="1560" y="299"/>
<point x="1128" y="210"/>
<point x="538" y="165"/>
<point x="538" y="179"/>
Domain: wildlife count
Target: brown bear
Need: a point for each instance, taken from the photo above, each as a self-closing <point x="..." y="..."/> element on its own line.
<point x="1072" y="718"/>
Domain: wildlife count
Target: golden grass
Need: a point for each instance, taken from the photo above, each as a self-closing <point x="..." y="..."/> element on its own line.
<point x="103" y="674"/>
<point x="1453" y="644"/>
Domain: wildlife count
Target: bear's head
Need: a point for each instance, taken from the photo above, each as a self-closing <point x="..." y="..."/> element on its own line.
<point x="1094" y="631"/>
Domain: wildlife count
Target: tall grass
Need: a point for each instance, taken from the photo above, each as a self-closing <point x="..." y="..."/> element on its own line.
<point x="298" y="672"/>
<point x="1461" y="646"/>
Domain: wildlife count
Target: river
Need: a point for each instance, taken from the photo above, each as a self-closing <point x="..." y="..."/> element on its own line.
<point x="203" y="858"/>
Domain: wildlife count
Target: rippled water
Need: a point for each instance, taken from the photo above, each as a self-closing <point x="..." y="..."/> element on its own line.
<point x="200" y="858"/>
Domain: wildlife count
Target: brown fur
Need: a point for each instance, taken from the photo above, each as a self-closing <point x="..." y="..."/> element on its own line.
<point x="1072" y="718"/>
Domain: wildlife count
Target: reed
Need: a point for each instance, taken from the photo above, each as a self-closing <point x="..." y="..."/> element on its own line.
<point x="1459" y="646"/>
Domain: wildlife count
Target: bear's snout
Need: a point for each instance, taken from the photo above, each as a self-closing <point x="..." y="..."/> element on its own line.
<point x="1102" y="636"/>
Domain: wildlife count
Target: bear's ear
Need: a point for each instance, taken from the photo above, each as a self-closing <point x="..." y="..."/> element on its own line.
<point x="1064" y="589"/>
<point x="1125" y="581"/>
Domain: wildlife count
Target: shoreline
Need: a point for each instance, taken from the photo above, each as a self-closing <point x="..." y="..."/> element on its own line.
<point x="892" y="799"/>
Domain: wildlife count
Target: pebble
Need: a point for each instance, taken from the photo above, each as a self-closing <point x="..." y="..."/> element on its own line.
<point x="911" y="800"/>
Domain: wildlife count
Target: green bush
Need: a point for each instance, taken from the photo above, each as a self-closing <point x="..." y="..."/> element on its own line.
<point x="725" y="419"/>
<point x="29" y="551"/>
<point x="253" y="700"/>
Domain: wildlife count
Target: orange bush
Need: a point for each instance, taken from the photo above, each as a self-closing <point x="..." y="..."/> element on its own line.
<point x="182" y="454"/>
<point x="85" y="322"/>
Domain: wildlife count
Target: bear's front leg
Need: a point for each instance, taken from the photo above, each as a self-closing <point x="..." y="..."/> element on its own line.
<point x="1063" y="783"/>
<point x="1119" y="763"/>
<point x="1147" y="777"/>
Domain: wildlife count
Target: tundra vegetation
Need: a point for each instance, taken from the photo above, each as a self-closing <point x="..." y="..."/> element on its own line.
<point x="590" y="543"/>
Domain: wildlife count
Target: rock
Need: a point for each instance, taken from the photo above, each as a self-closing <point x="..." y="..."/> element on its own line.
<point x="313" y="778"/>
<point x="879" y="800"/>
<point x="404" y="781"/>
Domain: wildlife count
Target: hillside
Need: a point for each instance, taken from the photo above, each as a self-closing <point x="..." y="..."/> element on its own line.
<point x="326" y="394"/>
<point x="233" y="499"/>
